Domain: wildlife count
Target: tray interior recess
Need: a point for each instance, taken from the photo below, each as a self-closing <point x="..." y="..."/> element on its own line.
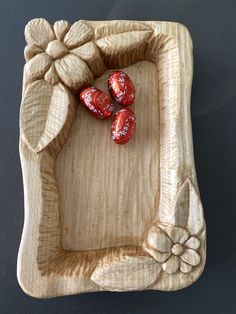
<point x="108" y="192"/>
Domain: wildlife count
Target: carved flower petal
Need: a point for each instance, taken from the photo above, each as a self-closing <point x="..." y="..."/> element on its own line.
<point x="73" y="71"/>
<point x="191" y="257"/>
<point x="31" y="51"/>
<point x="51" y="75"/>
<point x="61" y="28"/>
<point x="157" y="239"/>
<point x="184" y="267"/>
<point x="158" y="256"/>
<point x="39" y="32"/>
<point x="78" y="34"/>
<point x="171" y="265"/>
<point x="90" y="53"/>
<point x="36" y="67"/>
<point x="193" y="243"/>
<point x="177" y="234"/>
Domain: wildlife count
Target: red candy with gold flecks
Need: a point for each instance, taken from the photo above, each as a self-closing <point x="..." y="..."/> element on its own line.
<point x="97" y="102"/>
<point x="123" y="126"/>
<point x="121" y="88"/>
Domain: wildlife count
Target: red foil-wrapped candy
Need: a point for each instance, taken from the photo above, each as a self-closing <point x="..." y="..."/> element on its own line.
<point x="121" y="88"/>
<point x="123" y="126"/>
<point x="97" y="102"/>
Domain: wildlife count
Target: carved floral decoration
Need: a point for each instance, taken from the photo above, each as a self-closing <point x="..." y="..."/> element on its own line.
<point x="63" y="58"/>
<point x="177" y="247"/>
<point x="74" y="54"/>
<point x="56" y="53"/>
<point x="174" y="248"/>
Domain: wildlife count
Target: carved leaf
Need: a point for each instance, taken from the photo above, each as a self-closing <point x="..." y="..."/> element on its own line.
<point x="188" y="208"/>
<point x="121" y="41"/>
<point x="114" y="27"/>
<point x="195" y="221"/>
<point x="123" y="49"/>
<point x="44" y="112"/>
<point x="127" y="273"/>
<point x="181" y="205"/>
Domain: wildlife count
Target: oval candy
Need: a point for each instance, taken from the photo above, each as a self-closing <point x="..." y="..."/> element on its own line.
<point x="123" y="126"/>
<point x="97" y="102"/>
<point x="121" y="88"/>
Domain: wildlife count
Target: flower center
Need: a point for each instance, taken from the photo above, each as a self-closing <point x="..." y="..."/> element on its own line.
<point x="177" y="249"/>
<point x="56" y="49"/>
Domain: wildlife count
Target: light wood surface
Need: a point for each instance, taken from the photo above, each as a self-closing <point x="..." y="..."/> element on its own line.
<point x="118" y="185"/>
<point x="101" y="216"/>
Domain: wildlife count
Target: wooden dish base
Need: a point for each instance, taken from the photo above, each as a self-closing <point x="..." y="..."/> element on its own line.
<point x="102" y="216"/>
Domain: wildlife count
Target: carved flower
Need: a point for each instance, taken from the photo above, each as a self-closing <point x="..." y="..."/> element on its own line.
<point x="61" y="52"/>
<point x="174" y="248"/>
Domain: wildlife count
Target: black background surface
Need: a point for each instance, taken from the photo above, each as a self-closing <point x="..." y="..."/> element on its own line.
<point x="213" y="28"/>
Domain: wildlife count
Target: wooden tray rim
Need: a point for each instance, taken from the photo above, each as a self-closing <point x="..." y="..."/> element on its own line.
<point x="166" y="217"/>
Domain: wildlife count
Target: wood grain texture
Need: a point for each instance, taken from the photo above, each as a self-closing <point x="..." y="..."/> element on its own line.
<point x="99" y="216"/>
<point x="118" y="185"/>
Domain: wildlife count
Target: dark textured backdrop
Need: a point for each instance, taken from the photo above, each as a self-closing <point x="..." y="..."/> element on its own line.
<point x="212" y="24"/>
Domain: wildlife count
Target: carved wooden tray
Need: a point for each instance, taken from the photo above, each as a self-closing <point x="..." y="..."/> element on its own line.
<point x="102" y="216"/>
